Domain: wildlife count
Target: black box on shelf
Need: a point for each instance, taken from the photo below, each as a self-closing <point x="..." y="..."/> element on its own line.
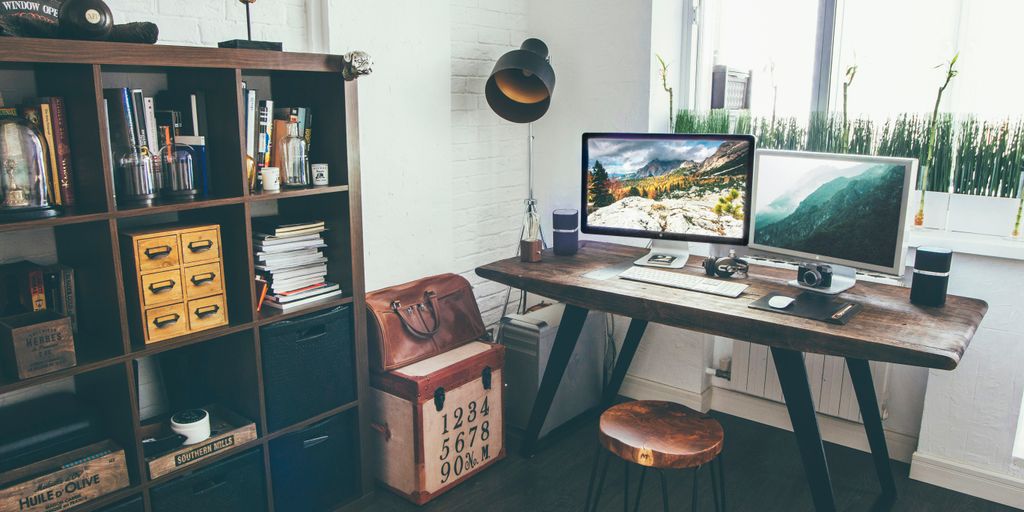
<point x="316" y="469"/>
<point x="307" y="366"/>
<point x="231" y="484"/>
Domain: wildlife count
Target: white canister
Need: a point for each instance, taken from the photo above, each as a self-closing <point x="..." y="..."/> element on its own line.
<point x="271" y="178"/>
<point x="320" y="177"/>
<point x="194" y="424"/>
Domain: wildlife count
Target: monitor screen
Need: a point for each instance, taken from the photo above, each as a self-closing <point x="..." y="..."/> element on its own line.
<point x="671" y="186"/>
<point x="844" y="209"/>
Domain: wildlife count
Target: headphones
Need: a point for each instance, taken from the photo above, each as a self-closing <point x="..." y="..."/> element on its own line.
<point x="730" y="266"/>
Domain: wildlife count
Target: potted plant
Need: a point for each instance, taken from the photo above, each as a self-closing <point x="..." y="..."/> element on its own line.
<point x="987" y="178"/>
<point x="933" y="127"/>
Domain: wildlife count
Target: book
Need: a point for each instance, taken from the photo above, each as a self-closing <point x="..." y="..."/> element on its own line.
<point x="305" y="244"/>
<point x="149" y="110"/>
<point x="304" y="302"/>
<point x="276" y="226"/>
<point x="22" y="288"/>
<point x="60" y="292"/>
<point x="250" y="123"/>
<point x="119" y="117"/>
<point x="265" y="135"/>
<point x="62" y="145"/>
<point x="272" y="241"/>
<point x="191" y="106"/>
<point x="280" y="132"/>
<point x="8" y="111"/>
<point x="170" y="118"/>
<point x="138" y="111"/>
<point x="303" y="293"/>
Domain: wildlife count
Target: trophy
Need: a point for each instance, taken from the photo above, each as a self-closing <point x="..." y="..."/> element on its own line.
<point x="249" y="44"/>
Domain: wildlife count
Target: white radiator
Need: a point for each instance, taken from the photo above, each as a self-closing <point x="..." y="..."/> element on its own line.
<point x="753" y="373"/>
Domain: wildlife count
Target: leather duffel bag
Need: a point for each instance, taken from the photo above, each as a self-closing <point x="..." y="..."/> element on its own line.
<point x="420" y="319"/>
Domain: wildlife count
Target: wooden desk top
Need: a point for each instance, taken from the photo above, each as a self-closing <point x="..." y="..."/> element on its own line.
<point x="889" y="328"/>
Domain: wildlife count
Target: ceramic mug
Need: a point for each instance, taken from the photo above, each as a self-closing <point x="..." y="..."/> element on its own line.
<point x="319" y="174"/>
<point x="271" y="177"/>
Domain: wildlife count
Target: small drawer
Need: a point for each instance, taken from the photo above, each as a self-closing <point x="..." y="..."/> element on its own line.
<point x="158" y="253"/>
<point x="166" y="322"/>
<point x="162" y="288"/>
<point x="199" y="246"/>
<point x="207" y="313"/>
<point x="203" y="280"/>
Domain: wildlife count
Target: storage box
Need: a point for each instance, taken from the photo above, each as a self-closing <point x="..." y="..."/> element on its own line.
<point x="65" y="481"/>
<point x="175" y="280"/>
<point x="316" y="469"/>
<point x="227" y="431"/>
<point x="235" y="483"/>
<point x="438" y="421"/>
<point x="35" y="344"/>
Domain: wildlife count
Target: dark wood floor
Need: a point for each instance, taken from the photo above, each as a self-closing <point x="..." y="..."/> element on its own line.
<point x="762" y="472"/>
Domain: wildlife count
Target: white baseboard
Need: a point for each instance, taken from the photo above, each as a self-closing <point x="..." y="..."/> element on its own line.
<point x="639" y="388"/>
<point x="833" y="430"/>
<point x="966" y="479"/>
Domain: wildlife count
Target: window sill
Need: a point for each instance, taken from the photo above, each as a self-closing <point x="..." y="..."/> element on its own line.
<point x="969" y="243"/>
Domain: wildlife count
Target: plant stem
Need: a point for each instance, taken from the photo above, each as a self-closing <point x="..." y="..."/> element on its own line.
<point x="664" y="85"/>
<point x="932" y="129"/>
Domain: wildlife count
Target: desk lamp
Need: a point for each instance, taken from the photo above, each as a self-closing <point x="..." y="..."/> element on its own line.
<point x="519" y="90"/>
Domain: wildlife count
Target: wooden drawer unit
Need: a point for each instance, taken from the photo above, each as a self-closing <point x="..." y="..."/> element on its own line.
<point x="175" y="280"/>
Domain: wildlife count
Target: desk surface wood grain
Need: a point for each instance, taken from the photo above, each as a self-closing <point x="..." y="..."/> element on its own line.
<point x="888" y="328"/>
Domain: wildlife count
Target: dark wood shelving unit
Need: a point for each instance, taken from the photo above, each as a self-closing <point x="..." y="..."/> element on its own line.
<point x="87" y="238"/>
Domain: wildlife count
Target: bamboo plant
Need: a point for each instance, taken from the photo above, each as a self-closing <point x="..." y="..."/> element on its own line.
<point x="663" y="73"/>
<point x="932" y="133"/>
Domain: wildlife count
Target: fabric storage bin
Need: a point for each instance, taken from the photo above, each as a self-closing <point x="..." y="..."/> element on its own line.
<point x="234" y="484"/>
<point x="316" y="469"/>
<point x="307" y="366"/>
<point x="132" y="505"/>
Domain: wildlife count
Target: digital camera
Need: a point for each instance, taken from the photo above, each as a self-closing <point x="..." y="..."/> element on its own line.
<point x="814" y="275"/>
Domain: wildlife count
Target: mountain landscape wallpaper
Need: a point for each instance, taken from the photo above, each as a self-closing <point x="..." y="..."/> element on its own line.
<point x="680" y="186"/>
<point x="843" y="209"/>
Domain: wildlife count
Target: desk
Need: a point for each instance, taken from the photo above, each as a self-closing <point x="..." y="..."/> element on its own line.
<point x="888" y="329"/>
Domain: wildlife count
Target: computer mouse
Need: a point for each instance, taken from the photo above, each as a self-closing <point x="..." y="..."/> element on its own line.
<point x="780" y="301"/>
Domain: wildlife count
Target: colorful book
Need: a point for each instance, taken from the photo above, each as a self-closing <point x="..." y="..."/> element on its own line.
<point x="265" y="134"/>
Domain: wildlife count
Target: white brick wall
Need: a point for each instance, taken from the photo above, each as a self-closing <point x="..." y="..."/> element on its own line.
<point x="489" y="154"/>
<point x="207" y="22"/>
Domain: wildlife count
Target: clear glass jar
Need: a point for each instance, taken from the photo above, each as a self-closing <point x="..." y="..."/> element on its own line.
<point x="294" y="158"/>
<point x="24" y="189"/>
<point x="137" y="183"/>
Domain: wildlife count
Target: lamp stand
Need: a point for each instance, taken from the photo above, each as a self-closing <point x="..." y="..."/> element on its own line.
<point x="531" y="210"/>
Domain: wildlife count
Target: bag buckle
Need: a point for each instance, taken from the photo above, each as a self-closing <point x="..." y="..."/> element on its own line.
<point x="396" y="305"/>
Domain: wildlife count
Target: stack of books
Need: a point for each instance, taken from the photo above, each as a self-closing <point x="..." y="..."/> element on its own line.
<point x="290" y="265"/>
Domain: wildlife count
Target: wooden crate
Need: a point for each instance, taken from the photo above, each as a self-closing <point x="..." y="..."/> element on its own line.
<point x="227" y="431"/>
<point x="65" y="481"/>
<point x="36" y="343"/>
<point x="177" y="280"/>
<point x="438" y="421"/>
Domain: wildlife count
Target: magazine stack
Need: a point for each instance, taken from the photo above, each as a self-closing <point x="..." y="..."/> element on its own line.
<point x="290" y="264"/>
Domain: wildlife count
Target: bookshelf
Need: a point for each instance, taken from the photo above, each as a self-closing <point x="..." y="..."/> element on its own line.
<point x="86" y="238"/>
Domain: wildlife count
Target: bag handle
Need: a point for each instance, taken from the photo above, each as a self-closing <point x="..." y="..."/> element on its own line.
<point x="431" y="299"/>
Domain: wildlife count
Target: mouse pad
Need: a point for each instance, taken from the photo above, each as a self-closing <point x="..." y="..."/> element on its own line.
<point x="815" y="306"/>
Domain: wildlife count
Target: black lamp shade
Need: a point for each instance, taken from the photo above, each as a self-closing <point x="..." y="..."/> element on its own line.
<point x="520" y="86"/>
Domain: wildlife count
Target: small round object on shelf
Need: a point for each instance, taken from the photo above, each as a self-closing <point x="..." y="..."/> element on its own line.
<point x="194" y="424"/>
<point x="85" y="19"/>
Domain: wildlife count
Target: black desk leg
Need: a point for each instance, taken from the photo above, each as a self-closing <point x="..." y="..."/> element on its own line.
<point x="863" y="385"/>
<point x="797" y="392"/>
<point x="629" y="345"/>
<point x="561" y="351"/>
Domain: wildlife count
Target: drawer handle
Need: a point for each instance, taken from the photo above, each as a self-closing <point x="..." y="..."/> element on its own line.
<point x="200" y="245"/>
<point x="205" y="311"/>
<point x="163" y="321"/>
<point x="201" y="279"/>
<point x="309" y="443"/>
<point x="158" y="252"/>
<point x="162" y="286"/>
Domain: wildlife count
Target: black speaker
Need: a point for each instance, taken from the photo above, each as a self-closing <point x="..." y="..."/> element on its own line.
<point x="566" y="228"/>
<point x="308" y="366"/>
<point x="931" y="276"/>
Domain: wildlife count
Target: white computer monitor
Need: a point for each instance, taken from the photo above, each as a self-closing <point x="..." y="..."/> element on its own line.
<point x="848" y="210"/>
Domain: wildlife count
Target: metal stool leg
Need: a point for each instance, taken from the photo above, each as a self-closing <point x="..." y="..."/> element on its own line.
<point x="664" y="489"/>
<point x="721" y="479"/>
<point x="625" y="486"/>
<point x="593" y="476"/>
<point x="600" y="482"/>
<point x="640" y="488"/>
<point x="694" y="501"/>
<point x="714" y="483"/>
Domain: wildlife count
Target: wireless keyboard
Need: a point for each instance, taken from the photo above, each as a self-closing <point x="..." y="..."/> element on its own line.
<point x="683" y="281"/>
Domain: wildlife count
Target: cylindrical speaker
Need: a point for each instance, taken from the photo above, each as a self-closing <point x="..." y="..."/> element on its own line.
<point x="931" y="276"/>
<point x="566" y="228"/>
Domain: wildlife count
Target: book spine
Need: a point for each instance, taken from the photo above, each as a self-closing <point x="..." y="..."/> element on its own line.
<point x="138" y="113"/>
<point x="266" y="131"/>
<point x="151" y="131"/>
<point x="67" y="275"/>
<point x="54" y="295"/>
<point x="8" y="111"/>
<point x="37" y="289"/>
<point x="62" y="145"/>
<point x="307" y="127"/>
<point x="250" y="123"/>
<point x="46" y="120"/>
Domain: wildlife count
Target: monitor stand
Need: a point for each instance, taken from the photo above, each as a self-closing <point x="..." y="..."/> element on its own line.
<point x="843" y="278"/>
<point x="666" y="254"/>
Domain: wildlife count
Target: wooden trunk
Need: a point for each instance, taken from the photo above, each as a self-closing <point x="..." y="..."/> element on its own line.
<point x="35" y="344"/>
<point x="438" y="421"/>
<point x="175" y="280"/>
<point x="65" y="481"/>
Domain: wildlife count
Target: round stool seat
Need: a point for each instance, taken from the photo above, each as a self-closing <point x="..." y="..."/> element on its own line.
<point x="660" y="434"/>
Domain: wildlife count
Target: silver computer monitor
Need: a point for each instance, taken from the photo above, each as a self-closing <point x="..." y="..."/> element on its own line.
<point x="848" y="210"/>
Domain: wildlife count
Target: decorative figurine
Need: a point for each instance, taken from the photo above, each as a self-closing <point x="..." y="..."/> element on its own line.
<point x="24" y="187"/>
<point x="357" y="64"/>
<point x="249" y="43"/>
<point x="14" y="196"/>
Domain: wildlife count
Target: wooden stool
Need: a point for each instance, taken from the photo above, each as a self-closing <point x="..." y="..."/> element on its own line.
<point x="660" y="435"/>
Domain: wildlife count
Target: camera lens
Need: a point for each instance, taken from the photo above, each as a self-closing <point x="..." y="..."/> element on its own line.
<point x="811" y="278"/>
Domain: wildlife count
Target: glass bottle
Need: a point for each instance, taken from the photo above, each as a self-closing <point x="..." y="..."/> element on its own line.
<point x="294" y="158"/>
<point x="137" y="183"/>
